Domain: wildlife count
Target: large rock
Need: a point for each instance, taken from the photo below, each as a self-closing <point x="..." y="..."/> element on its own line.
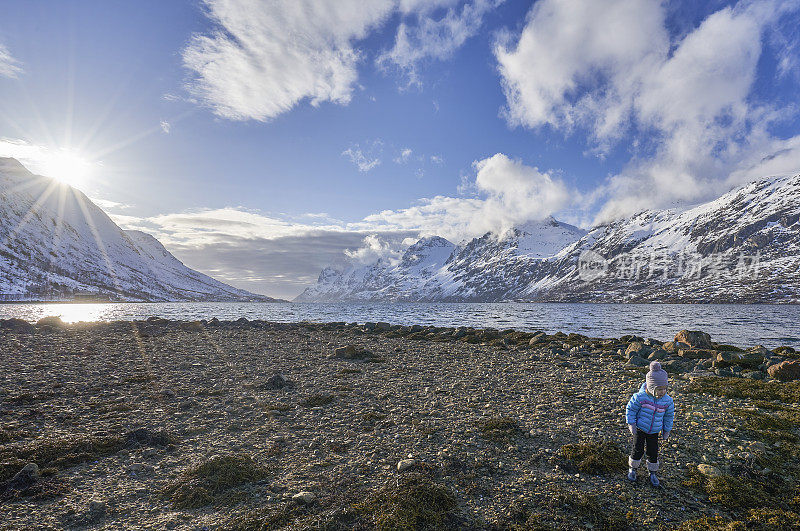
<point x="52" y="322"/>
<point x="350" y="352"/>
<point x="785" y="371"/>
<point x="19" y="326"/>
<point x="747" y="360"/>
<point x="694" y="338"/>
<point x="23" y="479"/>
<point x="697" y="354"/>
<point x="760" y="349"/>
<point x="637" y="348"/>
<point x="637" y="361"/>
<point x="676" y="366"/>
<point x="276" y="381"/>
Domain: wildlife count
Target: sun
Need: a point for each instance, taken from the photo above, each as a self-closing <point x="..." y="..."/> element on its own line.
<point x="67" y="167"/>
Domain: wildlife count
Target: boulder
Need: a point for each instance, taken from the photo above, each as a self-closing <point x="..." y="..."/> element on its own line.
<point x="192" y="326"/>
<point x="637" y="361"/>
<point x="676" y="366"/>
<point x="696" y="354"/>
<point x="537" y="339"/>
<point x="20" y="326"/>
<point x="637" y="348"/>
<point x="760" y="349"/>
<point x="52" y="322"/>
<point x="23" y="479"/>
<point x="658" y="354"/>
<point x="785" y="351"/>
<point x="350" y="352"/>
<point x="276" y="381"/>
<point x="747" y="360"/>
<point x="785" y="371"/>
<point x="694" y="338"/>
<point x="670" y="347"/>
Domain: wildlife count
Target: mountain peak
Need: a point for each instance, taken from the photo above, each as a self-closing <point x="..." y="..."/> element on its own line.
<point x="9" y="164"/>
<point x="674" y="253"/>
<point x="55" y="245"/>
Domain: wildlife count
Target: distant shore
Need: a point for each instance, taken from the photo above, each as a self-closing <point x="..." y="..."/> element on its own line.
<point x="234" y="424"/>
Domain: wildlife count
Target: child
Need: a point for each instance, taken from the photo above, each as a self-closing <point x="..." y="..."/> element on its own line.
<point x="649" y="412"/>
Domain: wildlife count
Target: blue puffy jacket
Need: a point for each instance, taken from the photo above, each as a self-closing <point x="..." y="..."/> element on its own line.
<point x="650" y="414"/>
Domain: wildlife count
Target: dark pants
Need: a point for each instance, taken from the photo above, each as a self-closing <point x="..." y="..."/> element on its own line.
<point x="640" y="440"/>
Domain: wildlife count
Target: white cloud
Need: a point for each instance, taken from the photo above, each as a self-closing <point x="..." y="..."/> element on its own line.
<point x="437" y="159"/>
<point x="9" y="66"/>
<point x="567" y="45"/>
<point x="375" y="247"/>
<point x="363" y="161"/>
<point x="405" y="156"/>
<point x="429" y="38"/>
<point x="509" y="193"/>
<point x="263" y="253"/>
<point x="165" y="126"/>
<point x="280" y="257"/>
<point x="424" y="6"/>
<point x="612" y="69"/>
<point x="107" y="204"/>
<point x="264" y="57"/>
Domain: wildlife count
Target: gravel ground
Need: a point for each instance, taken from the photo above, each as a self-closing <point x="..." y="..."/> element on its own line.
<point x="484" y="415"/>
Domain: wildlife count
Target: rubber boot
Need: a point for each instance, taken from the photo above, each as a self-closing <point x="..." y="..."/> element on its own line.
<point x="633" y="464"/>
<point x="653" y="468"/>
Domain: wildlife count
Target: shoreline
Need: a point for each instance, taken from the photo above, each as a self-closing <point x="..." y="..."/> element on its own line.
<point x="333" y="409"/>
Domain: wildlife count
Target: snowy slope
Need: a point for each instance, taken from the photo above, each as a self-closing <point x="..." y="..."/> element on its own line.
<point x="410" y="278"/>
<point x="741" y="247"/>
<point x="434" y="269"/>
<point x="55" y="242"/>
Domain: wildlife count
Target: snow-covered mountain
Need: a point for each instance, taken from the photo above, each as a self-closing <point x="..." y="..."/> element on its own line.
<point x="55" y="243"/>
<point x="435" y="269"/>
<point x="741" y="247"/>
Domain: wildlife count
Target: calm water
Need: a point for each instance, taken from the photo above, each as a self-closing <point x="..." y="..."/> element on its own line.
<point x="743" y="325"/>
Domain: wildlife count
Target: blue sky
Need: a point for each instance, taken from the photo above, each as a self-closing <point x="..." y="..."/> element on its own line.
<point x="261" y="141"/>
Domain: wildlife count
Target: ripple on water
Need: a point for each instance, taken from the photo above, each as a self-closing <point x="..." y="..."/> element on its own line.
<point x="742" y="325"/>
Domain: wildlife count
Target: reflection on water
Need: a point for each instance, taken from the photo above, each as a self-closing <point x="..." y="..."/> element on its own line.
<point x="74" y="313"/>
<point x="745" y="325"/>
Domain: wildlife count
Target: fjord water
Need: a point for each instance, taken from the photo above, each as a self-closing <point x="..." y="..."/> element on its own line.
<point x="741" y="325"/>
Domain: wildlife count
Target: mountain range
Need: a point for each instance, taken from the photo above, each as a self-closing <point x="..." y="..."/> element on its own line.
<point x="743" y="247"/>
<point x="55" y="243"/>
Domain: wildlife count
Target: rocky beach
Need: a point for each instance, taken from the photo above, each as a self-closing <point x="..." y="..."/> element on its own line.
<point x="160" y="424"/>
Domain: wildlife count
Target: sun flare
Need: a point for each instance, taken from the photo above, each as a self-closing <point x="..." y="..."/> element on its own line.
<point x="66" y="167"/>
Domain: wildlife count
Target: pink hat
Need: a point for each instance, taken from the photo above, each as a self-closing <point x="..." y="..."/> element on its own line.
<point x="657" y="377"/>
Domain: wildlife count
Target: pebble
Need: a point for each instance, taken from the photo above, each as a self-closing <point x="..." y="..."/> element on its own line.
<point x="405" y="464"/>
<point x="556" y="395"/>
<point x="305" y="497"/>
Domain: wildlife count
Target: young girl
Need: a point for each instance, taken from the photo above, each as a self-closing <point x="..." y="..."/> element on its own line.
<point x="649" y="412"/>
